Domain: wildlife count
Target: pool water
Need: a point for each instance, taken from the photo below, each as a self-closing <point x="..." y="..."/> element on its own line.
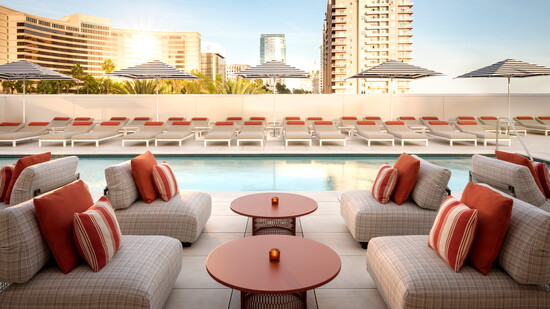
<point x="269" y="173"/>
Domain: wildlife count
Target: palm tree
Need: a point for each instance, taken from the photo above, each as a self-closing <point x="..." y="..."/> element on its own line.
<point x="108" y="66"/>
<point x="77" y="71"/>
<point x="241" y="86"/>
<point x="141" y="87"/>
<point x="8" y="86"/>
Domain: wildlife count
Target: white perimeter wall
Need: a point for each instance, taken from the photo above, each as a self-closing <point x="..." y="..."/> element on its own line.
<point x="217" y="107"/>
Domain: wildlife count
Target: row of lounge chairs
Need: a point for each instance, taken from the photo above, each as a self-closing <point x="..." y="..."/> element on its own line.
<point x="175" y="129"/>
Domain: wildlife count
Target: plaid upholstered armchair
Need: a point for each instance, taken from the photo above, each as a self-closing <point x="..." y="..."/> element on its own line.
<point x="366" y="218"/>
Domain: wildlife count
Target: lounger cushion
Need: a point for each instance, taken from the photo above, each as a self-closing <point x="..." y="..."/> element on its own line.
<point x="92" y="136"/>
<point x="410" y="275"/>
<point x="23" y="251"/>
<point x="251" y="135"/>
<point x="21" y="165"/>
<point x="144" y="135"/>
<point x="122" y="190"/>
<point x="408" y="168"/>
<point x="494" y="212"/>
<point x="223" y="135"/>
<point x="366" y="218"/>
<point x="182" y="217"/>
<point x="431" y="184"/>
<point x="453" y="232"/>
<point x="55" y="213"/>
<point x="173" y="135"/>
<point x="374" y="135"/>
<point x="521" y="160"/>
<point x="140" y="276"/>
<point x="329" y="135"/>
<point x="142" y="171"/>
<point x="19" y="135"/>
<point x="97" y="234"/>
<point x="297" y="135"/>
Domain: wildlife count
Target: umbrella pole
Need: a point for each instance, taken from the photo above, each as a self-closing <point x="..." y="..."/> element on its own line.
<point x="390" y="88"/>
<point x="24" y="101"/>
<point x="157" y="96"/>
<point x="509" y="104"/>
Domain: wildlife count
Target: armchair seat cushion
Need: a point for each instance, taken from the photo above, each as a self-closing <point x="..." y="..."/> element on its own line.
<point x="409" y="274"/>
<point x="140" y="275"/>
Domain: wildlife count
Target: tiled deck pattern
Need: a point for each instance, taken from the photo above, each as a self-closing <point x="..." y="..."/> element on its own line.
<point x="352" y="288"/>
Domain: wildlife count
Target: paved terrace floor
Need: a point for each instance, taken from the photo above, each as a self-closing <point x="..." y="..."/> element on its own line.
<point x="538" y="144"/>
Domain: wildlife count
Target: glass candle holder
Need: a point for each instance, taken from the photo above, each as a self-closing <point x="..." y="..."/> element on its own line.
<point x="275" y="201"/>
<point x="274" y="255"/>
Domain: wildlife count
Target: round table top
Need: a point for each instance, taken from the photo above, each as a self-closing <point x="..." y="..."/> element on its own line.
<point x="259" y="205"/>
<point x="244" y="265"/>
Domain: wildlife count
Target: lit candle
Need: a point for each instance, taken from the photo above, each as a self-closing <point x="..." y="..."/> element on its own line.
<point x="274" y="255"/>
<point x="275" y="201"/>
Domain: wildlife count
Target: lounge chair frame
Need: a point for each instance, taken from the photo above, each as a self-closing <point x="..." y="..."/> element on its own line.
<point x="369" y="140"/>
<point x="14" y="141"/>
<point x="452" y="140"/>
<point x="297" y="140"/>
<point x="179" y="140"/>
<point x="73" y="141"/>
<point x="64" y="141"/>
<point x="403" y="140"/>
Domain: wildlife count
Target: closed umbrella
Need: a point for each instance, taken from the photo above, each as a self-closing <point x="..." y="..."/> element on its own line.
<point x="509" y="69"/>
<point x="153" y="70"/>
<point x="393" y="69"/>
<point x="24" y="70"/>
<point x="273" y="69"/>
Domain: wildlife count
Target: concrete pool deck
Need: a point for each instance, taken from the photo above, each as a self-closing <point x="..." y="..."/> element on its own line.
<point x="538" y="144"/>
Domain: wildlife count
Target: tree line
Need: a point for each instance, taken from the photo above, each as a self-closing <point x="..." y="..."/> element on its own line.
<point x="89" y="84"/>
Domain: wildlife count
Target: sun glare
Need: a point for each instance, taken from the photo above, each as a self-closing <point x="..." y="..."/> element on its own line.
<point x="144" y="47"/>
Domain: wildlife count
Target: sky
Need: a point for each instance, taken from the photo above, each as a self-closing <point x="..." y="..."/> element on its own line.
<point x="451" y="37"/>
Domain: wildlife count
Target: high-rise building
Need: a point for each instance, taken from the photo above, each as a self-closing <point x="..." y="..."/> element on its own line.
<point x="89" y="41"/>
<point x="232" y="69"/>
<point x="272" y="47"/>
<point x="213" y="64"/>
<point x="359" y="34"/>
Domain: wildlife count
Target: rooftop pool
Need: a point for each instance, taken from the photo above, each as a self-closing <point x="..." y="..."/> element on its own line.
<point x="286" y="173"/>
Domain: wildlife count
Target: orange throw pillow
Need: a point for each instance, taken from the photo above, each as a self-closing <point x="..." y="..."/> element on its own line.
<point x="142" y="170"/>
<point x="408" y="168"/>
<point x="21" y="165"/>
<point x="493" y="217"/>
<point x="521" y="160"/>
<point x="55" y="213"/>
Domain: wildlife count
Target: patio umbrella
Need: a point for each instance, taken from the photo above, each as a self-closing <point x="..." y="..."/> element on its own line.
<point x="24" y="70"/>
<point x="509" y="68"/>
<point x="153" y="70"/>
<point x="273" y="69"/>
<point x="393" y="69"/>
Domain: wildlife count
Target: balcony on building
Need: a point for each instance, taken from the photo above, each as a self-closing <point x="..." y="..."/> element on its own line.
<point x="339" y="20"/>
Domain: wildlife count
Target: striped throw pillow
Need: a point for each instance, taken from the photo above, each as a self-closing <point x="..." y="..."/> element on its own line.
<point x="97" y="234"/>
<point x="542" y="173"/>
<point x="453" y="232"/>
<point x="385" y="183"/>
<point x="5" y="177"/>
<point x="165" y="181"/>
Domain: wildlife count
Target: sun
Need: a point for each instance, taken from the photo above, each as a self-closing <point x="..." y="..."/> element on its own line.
<point x="144" y="47"/>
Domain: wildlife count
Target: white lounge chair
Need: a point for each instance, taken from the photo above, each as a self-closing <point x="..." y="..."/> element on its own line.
<point x="311" y="120"/>
<point x="236" y="120"/>
<point x="177" y="132"/>
<point x="442" y="129"/>
<point x="146" y="133"/>
<point x="201" y="125"/>
<point x="296" y="131"/>
<point x="101" y="132"/>
<point x="78" y="127"/>
<point x="222" y="131"/>
<point x="543" y="119"/>
<point x="171" y="120"/>
<point x="376" y="119"/>
<point x="347" y="124"/>
<point x="326" y="131"/>
<point x="59" y="124"/>
<point x="426" y="119"/>
<point x="532" y="125"/>
<point x="123" y="120"/>
<point x="413" y="123"/>
<point x="9" y="127"/>
<point x="30" y="131"/>
<point x="472" y="127"/>
<point x="489" y="123"/>
<point x="370" y="131"/>
<point x="400" y="130"/>
<point x="252" y="131"/>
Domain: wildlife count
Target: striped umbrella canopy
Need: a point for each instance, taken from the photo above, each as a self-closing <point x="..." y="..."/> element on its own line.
<point x="273" y="69"/>
<point x="393" y="69"/>
<point x="509" y="69"/>
<point x="24" y="70"/>
<point x="153" y="70"/>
